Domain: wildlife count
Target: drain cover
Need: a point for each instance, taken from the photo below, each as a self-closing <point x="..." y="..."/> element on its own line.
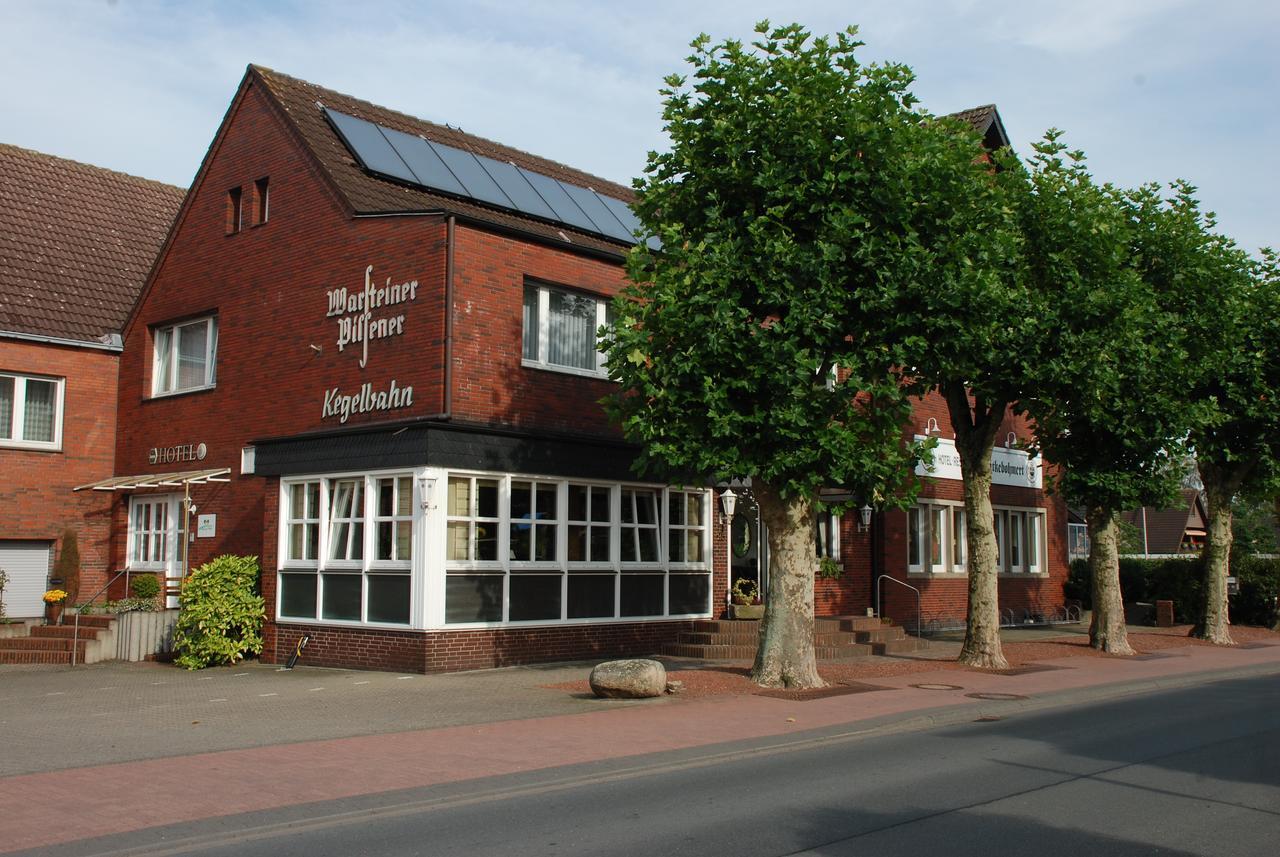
<point x="938" y="686"/>
<point x="995" y="696"/>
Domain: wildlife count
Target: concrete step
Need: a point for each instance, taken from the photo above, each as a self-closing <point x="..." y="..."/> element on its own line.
<point x="862" y="623"/>
<point x="748" y="627"/>
<point x="882" y="635"/>
<point x="903" y="646"/>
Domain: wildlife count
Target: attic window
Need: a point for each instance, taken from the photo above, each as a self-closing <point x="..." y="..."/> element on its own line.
<point x="261" y="197"/>
<point x="234" y="213"/>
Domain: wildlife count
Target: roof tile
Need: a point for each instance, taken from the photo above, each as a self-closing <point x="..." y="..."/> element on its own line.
<point x="76" y="243"/>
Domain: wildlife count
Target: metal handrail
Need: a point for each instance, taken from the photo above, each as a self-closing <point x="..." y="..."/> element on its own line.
<point x="75" y="637"/>
<point x="880" y="603"/>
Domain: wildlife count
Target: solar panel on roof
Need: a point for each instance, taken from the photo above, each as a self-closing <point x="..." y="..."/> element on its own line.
<point x="425" y="163"/>
<point x="366" y="142"/>
<point x="623" y="212"/>
<point x="567" y="211"/>
<point x="473" y="177"/>
<point x="597" y="211"/>
<point x="517" y="188"/>
<point x="454" y="171"/>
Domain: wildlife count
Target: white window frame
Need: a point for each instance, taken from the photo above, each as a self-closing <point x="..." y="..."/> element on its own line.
<point x="827" y="543"/>
<point x="18" y="417"/>
<point x="544" y="331"/>
<point x="367" y="566"/>
<point x="929" y="514"/>
<point x="614" y="567"/>
<point x="1031" y="564"/>
<point x="1004" y="517"/>
<point x="168" y="386"/>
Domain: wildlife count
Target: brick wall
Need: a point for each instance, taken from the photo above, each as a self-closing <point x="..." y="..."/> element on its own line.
<point x="444" y="651"/>
<point x="36" y="498"/>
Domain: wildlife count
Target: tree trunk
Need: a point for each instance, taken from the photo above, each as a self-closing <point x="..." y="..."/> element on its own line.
<point x="975" y="434"/>
<point x="786" y="657"/>
<point x="1214" y="622"/>
<point x="1107" y="631"/>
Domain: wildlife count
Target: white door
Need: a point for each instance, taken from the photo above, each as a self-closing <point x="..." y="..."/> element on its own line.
<point x="27" y="564"/>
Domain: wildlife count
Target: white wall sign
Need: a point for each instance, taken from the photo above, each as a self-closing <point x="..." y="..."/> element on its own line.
<point x="1008" y="466"/>
<point x="179" y="452"/>
<point x="354" y="312"/>
<point x="206" y="526"/>
<point x="366" y="400"/>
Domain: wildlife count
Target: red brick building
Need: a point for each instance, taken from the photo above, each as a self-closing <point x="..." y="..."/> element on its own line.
<point x="76" y="243"/>
<point x="381" y="332"/>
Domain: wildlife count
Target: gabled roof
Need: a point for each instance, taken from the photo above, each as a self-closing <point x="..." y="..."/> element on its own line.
<point x="1166" y="528"/>
<point x="76" y="244"/>
<point x="986" y="121"/>
<point x="301" y="104"/>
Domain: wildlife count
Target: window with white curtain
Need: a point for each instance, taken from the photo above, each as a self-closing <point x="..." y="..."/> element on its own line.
<point x="30" y="411"/>
<point x="559" y="329"/>
<point x="185" y="356"/>
<point x="937" y="539"/>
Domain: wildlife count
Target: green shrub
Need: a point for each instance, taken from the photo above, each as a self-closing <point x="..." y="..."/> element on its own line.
<point x="1181" y="581"/>
<point x="145" y="586"/>
<point x="220" y="615"/>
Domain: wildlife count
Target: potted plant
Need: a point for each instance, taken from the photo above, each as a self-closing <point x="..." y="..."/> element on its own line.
<point x="745" y="598"/>
<point x="53" y="602"/>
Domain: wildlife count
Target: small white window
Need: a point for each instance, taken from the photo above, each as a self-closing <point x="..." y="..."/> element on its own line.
<point x="559" y="329"/>
<point x="185" y="356"/>
<point x="938" y="538"/>
<point x="915" y="538"/>
<point x="31" y="411"/>
<point x="959" y="540"/>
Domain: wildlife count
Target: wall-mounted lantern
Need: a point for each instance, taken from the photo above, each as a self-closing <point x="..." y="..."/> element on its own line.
<point x="865" y="513"/>
<point x="427" y="491"/>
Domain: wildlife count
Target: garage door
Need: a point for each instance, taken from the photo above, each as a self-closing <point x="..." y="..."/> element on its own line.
<point x="27" y="564"/>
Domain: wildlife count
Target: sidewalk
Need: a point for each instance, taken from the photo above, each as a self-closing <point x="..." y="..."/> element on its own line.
<point x="483" y="737"/>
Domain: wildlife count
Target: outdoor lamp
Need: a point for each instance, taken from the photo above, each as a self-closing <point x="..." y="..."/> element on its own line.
<point x="866" y="517"/>
<point x="426" y="490"/>
<point x="728" y="502"/>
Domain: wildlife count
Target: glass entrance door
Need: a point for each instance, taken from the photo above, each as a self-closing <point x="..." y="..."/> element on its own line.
<point x="747" y="549"/>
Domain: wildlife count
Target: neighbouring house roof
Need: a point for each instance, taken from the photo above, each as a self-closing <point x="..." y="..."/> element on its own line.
<point x="1167" y="530"/>
<point x="76" y="244"/>
<point x="302" y="104"/>
<point x="986" y="121"/>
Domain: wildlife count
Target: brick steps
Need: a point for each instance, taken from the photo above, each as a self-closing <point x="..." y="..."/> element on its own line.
<point x="53" y="644"/>
<point x="835" y="638"/>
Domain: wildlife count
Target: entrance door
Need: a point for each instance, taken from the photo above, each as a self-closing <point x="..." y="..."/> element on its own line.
<point x="747" y="550"/>
<point x="155" y="540"/>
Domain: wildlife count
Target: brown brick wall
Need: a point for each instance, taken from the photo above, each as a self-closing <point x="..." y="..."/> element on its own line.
<point x="445" y="651"/>
<point x="36" y="498"/>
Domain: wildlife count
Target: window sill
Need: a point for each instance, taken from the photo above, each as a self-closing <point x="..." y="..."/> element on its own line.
<point x="1023" y="575"/>
<point x="30" y="446"/>
<point x="186" y="392"/>
<point x="565" y="370"/>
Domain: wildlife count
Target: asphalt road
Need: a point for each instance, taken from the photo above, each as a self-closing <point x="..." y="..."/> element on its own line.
<point x="1189" y="771"/>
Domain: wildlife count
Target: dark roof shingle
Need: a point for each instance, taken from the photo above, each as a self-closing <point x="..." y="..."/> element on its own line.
<point x="76" y="244"/>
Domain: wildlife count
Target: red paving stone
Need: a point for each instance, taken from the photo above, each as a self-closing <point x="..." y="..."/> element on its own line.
<point x="226" y="783"/>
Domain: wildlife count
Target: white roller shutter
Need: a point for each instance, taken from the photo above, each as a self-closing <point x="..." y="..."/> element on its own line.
<point x="27" y="564"/>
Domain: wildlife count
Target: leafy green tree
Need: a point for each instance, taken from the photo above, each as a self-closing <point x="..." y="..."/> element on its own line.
<point x="1107" y="398"/>
<point x="750" y="345"/>
<point x="958" y="300"/>
<point x="1238" y="353"/>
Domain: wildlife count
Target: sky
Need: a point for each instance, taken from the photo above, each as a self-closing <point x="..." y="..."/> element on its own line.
<point x="1151" y="90"/>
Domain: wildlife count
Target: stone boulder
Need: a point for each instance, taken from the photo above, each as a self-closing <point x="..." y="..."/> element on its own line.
<point x="638" y="678"/>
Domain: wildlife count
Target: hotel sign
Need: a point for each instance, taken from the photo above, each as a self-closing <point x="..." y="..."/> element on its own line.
<point x="361" y="316"/>
<point x="177" y="453"/>
<point x="1008" y="466"/>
